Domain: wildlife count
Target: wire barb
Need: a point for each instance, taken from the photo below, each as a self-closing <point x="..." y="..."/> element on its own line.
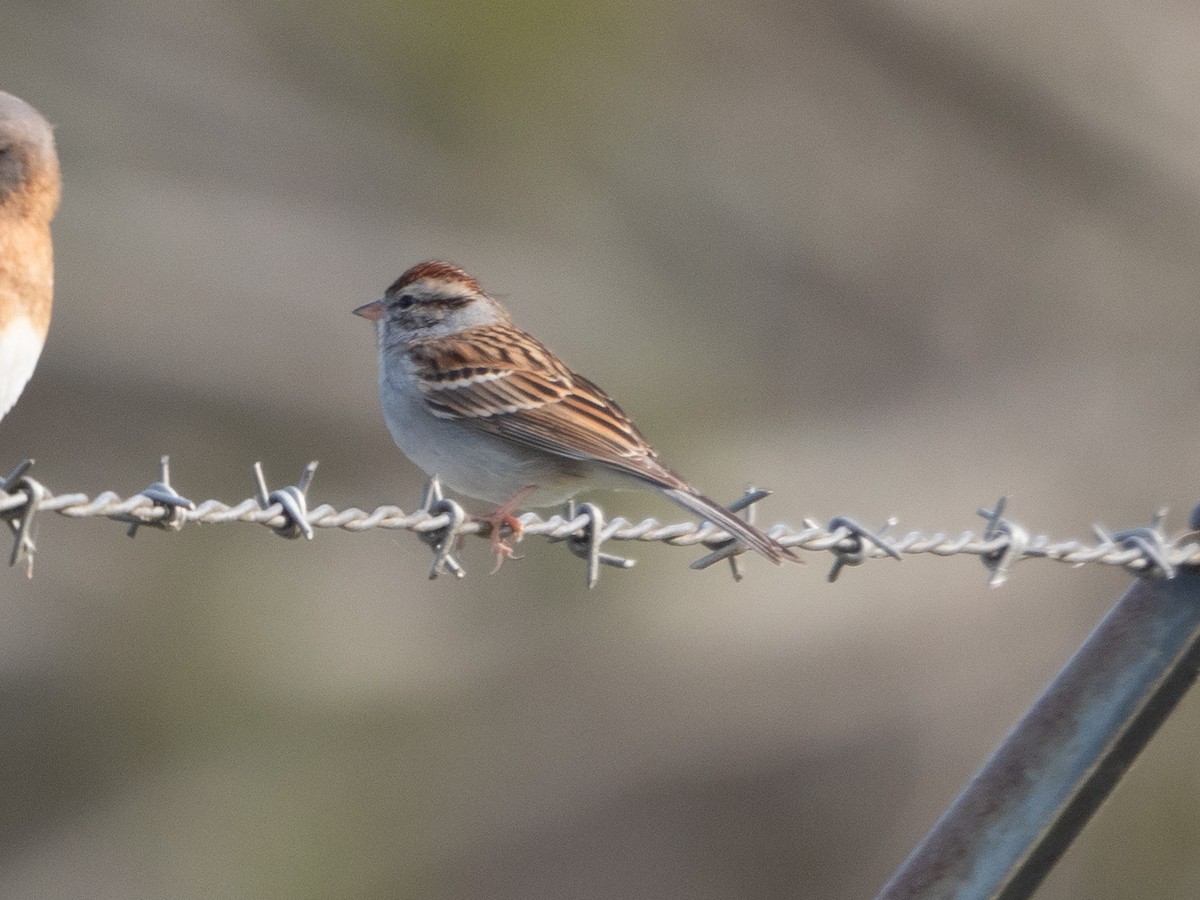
<point x="586" y="542"/>
<point x="20" y="516"/>
<point x="292" y="501"/>
<point x="1011" y="538"/>
<point x="442" y="538"/>
<point x="730" y="548"/>
<point x="160" y="493"/>
<point x="853" y="550"/>
<point x="1148" y="540"/>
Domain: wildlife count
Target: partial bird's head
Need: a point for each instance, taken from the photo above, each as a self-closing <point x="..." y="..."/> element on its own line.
<point x="30" y="185"/>
<point x="432" y="299"/>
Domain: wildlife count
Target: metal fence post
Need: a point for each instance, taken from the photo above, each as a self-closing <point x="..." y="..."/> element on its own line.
<point x="1019" y="814"/>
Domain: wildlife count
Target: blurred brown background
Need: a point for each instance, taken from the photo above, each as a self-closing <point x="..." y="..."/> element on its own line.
<point x="888" y="259"/>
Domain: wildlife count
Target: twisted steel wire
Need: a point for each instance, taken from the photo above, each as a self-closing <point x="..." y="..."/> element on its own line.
<point x="440" y="522"/>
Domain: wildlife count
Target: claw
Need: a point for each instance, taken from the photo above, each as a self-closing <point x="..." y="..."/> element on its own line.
<point x="500" y="549"/>
<point x="503" y="515"/>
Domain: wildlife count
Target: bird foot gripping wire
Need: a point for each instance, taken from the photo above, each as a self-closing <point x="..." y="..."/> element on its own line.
<point x="160" y="493"/>
<point x="586" y="542"/>
<point x="852" y="549"/>
<point x="442" y="538"/>
<point x="19" y="516"/>
<point x="292" y="501"/>
<point x="730" y="549"/>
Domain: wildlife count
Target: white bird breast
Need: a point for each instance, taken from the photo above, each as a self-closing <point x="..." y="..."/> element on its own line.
<point x="20" y="347"/>
<point x="466" y="460"/>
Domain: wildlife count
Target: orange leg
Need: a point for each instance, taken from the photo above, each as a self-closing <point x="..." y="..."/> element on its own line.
<point x="503" y="515"/>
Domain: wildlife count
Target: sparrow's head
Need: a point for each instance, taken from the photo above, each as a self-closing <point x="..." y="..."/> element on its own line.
<point x="30" y="185"/>
<point x="432" y="299"/>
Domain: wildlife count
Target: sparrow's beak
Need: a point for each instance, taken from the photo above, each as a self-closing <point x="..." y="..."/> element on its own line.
<point x="372" y="310"/>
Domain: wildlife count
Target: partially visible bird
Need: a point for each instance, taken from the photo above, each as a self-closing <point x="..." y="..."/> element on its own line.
<point x="30" y="188"/>
<point x="472" y="398"/>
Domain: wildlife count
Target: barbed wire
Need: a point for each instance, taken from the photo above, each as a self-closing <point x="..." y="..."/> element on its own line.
<point x="442" y="524"/>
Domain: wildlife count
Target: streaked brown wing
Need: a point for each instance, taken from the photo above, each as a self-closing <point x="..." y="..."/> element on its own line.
<point x="500" y="380"/>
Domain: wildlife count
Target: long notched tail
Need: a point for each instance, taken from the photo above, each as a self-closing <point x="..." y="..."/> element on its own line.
<point x="745" y="532"/>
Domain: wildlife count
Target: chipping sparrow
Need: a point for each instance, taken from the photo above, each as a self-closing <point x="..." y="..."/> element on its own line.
<point x="29" y="194"/>
<point x="497" y="416"/>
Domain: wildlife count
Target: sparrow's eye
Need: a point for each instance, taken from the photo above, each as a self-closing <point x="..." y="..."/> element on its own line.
<point x="405" y="301"/>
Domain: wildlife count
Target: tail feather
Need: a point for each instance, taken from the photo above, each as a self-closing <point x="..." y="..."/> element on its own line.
<point x="742" y="530"/>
